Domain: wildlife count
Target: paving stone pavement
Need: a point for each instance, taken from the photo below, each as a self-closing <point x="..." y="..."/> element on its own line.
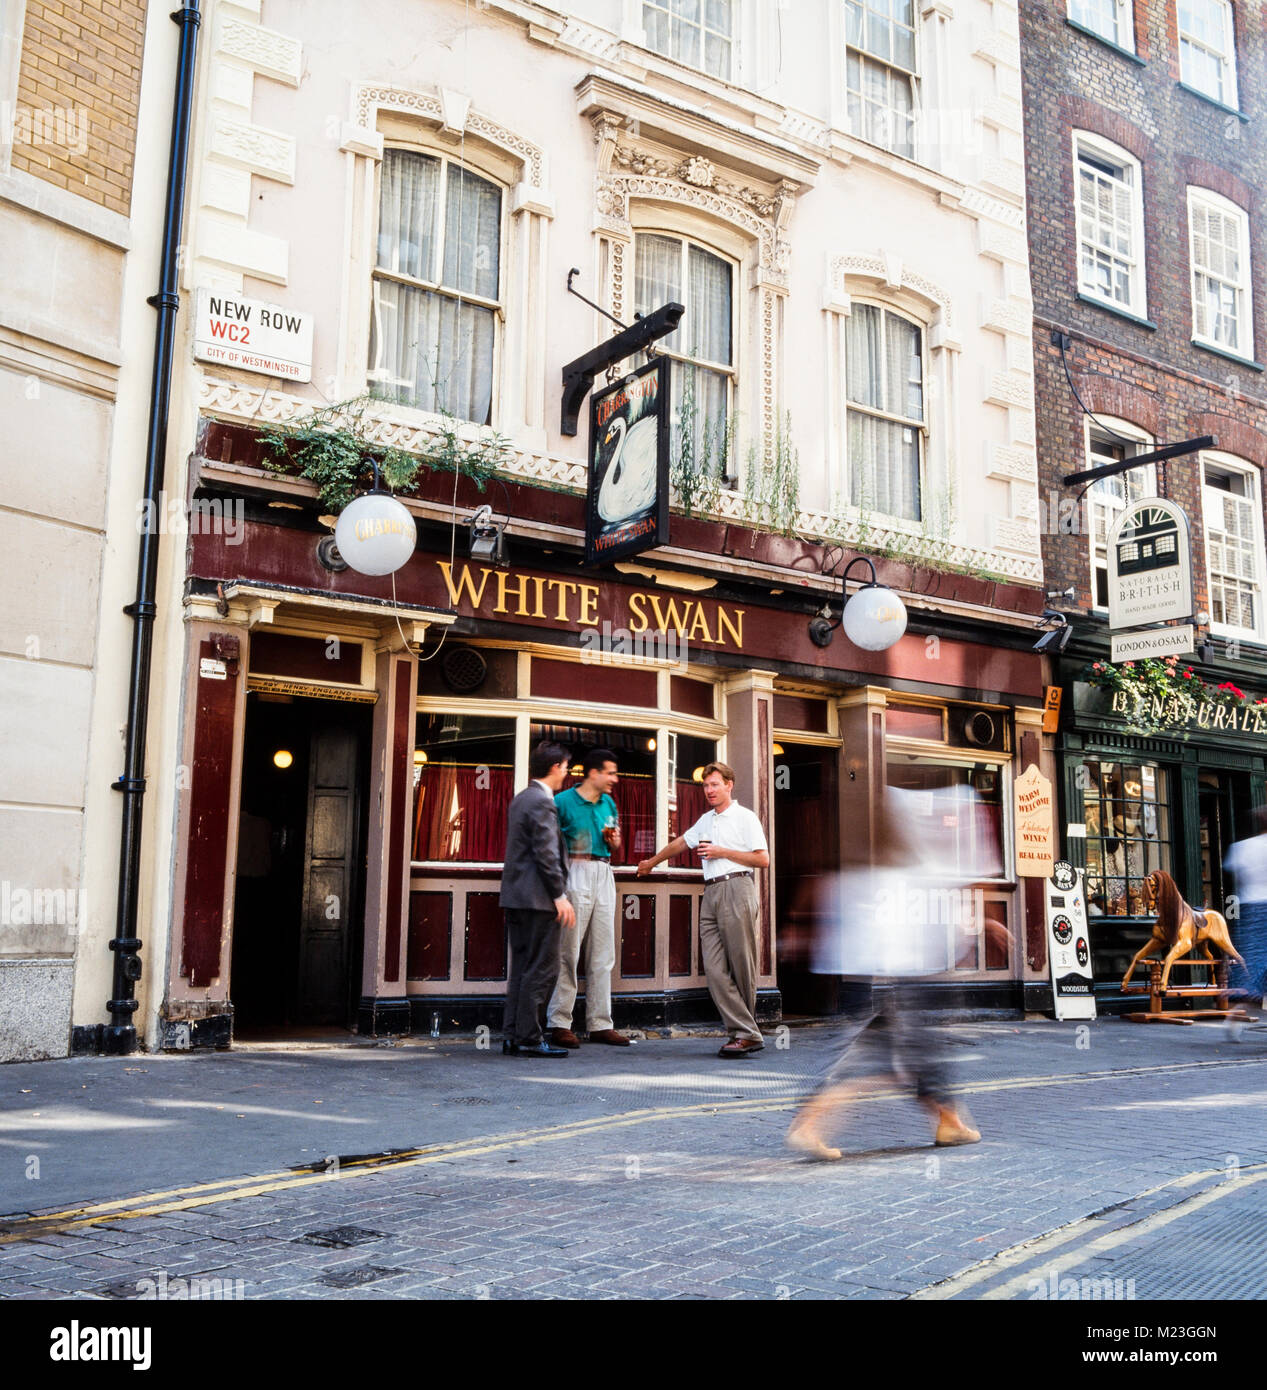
<point x="660" y="1172"/>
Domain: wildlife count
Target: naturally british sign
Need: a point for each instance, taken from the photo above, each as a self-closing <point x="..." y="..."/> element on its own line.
<point x="1150" y="564"/>
<point x="627" y="504"/>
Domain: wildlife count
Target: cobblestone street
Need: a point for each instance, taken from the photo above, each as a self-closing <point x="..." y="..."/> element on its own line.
<point x="1129" y="1159"/>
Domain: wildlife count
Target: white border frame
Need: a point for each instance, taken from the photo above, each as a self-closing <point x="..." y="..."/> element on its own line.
<point x="1098" y="146"/>
<point x="1216" y="201"/>
<point x="1232" y="464"/>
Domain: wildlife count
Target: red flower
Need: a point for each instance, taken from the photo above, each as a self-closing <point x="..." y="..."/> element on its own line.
<point x="1130" y="666"/>
<point x="1232" y="690"/>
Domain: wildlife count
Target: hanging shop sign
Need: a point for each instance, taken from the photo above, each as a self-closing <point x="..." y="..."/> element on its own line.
<point x="627" y="504"/>
<point x="1161" y="641"/>
<point x="1035" y="824"/>
<point x="1150" y="565"/>
<point x="1069" y="943"/>
<point x="252" y="335"/>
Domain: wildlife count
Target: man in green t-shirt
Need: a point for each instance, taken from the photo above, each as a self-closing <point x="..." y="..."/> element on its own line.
<point x="591" y="830"/>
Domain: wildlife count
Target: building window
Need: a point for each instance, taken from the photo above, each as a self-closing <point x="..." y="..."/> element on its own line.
<point x="1110" y="19"/>
<point x="699" y="33"/>
<point x="1110" y="224"/>
<point x="1207" y="49"/>
<point x="1107" y="498"/>
<point x="436" y="288"/>
<point x="1218" y="235"/>
<point x="675" y="269"/>
<point x="881" y="72"/>
<point x="1126" y="810"/>
<point x="464" y="780"/>
<point x="1232" y="514"/>
<point x="884" y="391"/>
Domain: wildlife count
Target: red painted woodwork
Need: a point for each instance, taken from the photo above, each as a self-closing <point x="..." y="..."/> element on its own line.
<point x="485" y="945"/>
<point x="609" y="685"/>
<point x="208" y="837"/>
<point x="914" y="721"/>
<point x="763" y="815"/>
<point x="691" y="697"/>
<point x="402" y="756"/>
<point x="306" y="658"/>
<point x="793" y="712"/>
<point x="679" y="934"/>
<point x="430" y="930"/>
<point x="637" y="935"/>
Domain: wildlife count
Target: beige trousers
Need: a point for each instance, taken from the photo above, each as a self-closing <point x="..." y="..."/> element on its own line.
<point x="592" y="892"/>
<point x="728" y="920"/>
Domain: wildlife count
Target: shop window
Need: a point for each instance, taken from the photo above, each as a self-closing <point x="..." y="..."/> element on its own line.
<point x="1110" y="224"/>
<point x="675" y="269"/>
<point x="698" y="33"/>
<point x="958" y="807"/>
<point x="693" y="756"/>
<point x="1232" y="514"/>
<point x="1218" y="239"/>
<point x="1207" y="49"/>
<point x="1110" y="19"/>
<point x="1126" y="810"/>
<point x="464" y="780"/>
<point x="635" y="790"/>
<point x="881" y="72"/>
<point x="884" y="387"/>
<point x="436" y="287"/>
<point x="1108" y="497"/>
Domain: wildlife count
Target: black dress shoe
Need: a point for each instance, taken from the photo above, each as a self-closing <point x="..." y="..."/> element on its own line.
<point x="509" y="1049"/>
<point x="541" y="1049"/>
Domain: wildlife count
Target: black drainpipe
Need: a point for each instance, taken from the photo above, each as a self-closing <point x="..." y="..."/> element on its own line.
<point x="119" y="1035"/>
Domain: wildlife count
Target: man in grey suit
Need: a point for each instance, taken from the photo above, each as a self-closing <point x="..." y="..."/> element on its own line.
<point x="534" y="899"/>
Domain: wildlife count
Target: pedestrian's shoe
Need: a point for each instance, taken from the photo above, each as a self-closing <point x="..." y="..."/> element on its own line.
<point x="563" y="1037"/>
<point x="610" y="1036"/>
<point x="541" y="1049"/>
<point x="803" y="1139"/>
<point x="509" y="1049"/>
<point x="741" y="1047"/>
<point x="952" y="1130"/>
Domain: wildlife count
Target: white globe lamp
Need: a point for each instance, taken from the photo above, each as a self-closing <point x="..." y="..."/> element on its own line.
<point x="374" y="533"/>
<point x="873" y="619"/>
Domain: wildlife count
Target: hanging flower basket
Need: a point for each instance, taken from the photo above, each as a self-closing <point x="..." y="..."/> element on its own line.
<point x="1165" y="695"/>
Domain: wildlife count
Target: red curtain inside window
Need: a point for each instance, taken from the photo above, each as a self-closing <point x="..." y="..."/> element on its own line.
<point x="460" y="813"/>
<point x="691" y="805"/>
<point x="634" y="796"/>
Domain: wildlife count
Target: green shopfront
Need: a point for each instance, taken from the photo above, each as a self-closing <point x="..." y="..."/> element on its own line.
<point x="1136" y="797"/>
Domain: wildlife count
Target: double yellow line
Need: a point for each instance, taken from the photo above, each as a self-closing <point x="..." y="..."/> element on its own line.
<point x="262" y="1184"/>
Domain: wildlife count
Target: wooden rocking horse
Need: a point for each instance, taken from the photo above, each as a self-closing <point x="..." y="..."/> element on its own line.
<point x="1179" y="927"/>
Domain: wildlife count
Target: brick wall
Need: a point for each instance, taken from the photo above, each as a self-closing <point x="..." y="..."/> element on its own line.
<point x="1152" y="376"/>
<point x="78" y="90"/>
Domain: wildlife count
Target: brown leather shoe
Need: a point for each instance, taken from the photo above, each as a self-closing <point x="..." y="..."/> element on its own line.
<point x="741" y="1047"/>
<point x="564" y="1037"/>
<point x="610" y="1035"/>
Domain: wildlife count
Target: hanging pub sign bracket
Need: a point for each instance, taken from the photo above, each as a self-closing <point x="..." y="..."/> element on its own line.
<point x="1107" y="470"/>
<point x="578" y="375"/>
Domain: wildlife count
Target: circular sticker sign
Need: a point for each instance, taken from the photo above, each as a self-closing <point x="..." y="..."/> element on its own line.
<point x="1062" y="929"/>
<point x="1063" y="873"/>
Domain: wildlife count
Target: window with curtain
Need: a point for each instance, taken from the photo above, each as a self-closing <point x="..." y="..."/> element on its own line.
<point x="464" y="780"/>
<point x="884" y="386"/>
<point x="1110" y="225"/>
<point x="693" y="755"/>
<point x="881" y="72"/>
<point x="699" y="33"/>
<point x="1218" y="237"/>
<point x="1106" y="498"/>
<point x="675" y="269"/>
<point x="1110" y="19"/>
<point x="1207" y="48"/>
<point x="1232" y="514"/>
<point x="436" y="287"/>
<point x="1126" y="811"/>
<point x="635" y="789"/>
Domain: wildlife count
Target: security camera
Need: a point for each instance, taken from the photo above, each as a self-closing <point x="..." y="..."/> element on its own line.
<point x="1054" y="642"/>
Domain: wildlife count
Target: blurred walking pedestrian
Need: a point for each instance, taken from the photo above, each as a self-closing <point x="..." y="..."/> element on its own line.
<point x="1247" y="860"/>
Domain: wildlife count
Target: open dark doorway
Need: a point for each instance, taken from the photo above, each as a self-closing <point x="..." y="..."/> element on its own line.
<point x="806" y="850"/>
<point x="300" y="891"/>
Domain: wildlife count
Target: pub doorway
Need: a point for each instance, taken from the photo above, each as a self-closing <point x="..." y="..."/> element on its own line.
<point x="300" y="890"/>
<point x="806" y="852"/>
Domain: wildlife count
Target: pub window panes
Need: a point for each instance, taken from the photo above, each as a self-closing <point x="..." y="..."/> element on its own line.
<point x="464" y="780"/>
<point x="1207" y="52"/>
<point x="699" y="33"/>
<point x="1110" y="19"/>
<point x="1110" y="226"/>
<point x="1126" y="810"/>
<point x="436" y="287"/>
<point x="1218" y="240"/>
<point x="884" y="386"/>
<point x="1233" y="547"/>
<point x="881" y="72"/>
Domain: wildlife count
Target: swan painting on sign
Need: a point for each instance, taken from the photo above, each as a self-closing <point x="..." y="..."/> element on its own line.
<point x="628" y="502"/>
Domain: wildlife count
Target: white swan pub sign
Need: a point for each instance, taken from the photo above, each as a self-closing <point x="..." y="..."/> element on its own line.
<point x="627" y="508"/>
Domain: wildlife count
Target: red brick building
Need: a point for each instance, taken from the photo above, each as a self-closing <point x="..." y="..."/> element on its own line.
<point x="1145" y="164"/>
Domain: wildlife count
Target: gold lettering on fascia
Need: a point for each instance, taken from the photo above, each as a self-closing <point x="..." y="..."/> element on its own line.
<point x="576" y="604"/>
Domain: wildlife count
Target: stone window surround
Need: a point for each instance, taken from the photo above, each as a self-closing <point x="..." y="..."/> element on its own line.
<point x="1224" y="205"/>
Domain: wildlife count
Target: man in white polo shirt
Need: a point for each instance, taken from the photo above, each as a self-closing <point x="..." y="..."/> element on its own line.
<point x="730" y="841"/>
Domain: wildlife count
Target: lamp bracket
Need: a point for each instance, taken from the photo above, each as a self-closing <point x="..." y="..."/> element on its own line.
<point x="579" y="374"/>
